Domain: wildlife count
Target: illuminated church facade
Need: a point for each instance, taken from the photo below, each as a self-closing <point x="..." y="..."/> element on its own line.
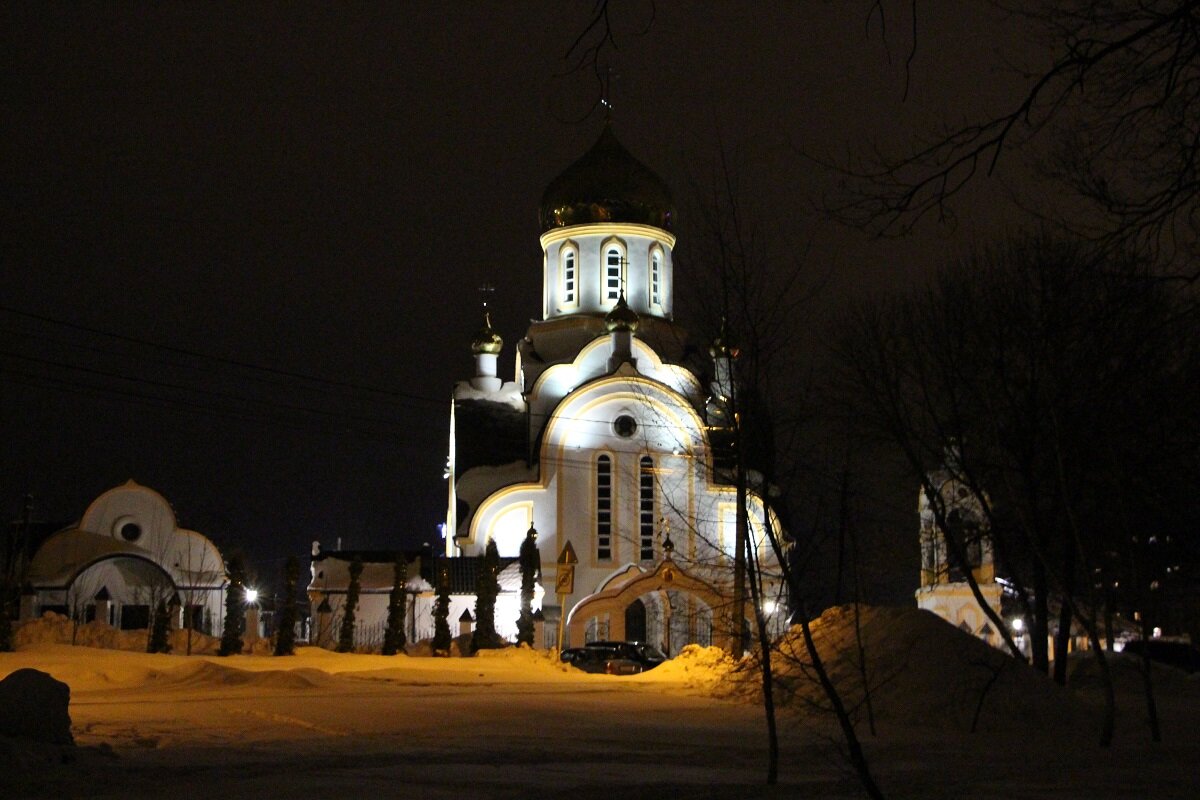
<point x="602" y="439"/>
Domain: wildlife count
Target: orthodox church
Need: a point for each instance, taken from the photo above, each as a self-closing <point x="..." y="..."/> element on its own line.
<point x="601" y="443"/>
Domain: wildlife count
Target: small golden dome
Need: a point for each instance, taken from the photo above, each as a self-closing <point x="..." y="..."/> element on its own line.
<point x="486" y="340"/>
<point x="607" y="185"/>
<point x="622" y="317"/>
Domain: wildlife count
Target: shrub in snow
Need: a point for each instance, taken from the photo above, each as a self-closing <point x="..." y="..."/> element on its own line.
<point x="346" y="632"/>
<point x="393" y="636"/>
<point x="235" y="610"/>
<point x="487" y="588"/>
<point x="158" y="641"/>
<point x="441" y="616"/>
<point x="530" y="564"/>
<point x="285" y="638"/>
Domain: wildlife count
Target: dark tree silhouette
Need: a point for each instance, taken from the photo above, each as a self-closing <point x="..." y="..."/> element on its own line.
<point x="235" y="609"/>
<point x="487" y="589"/>
<point x="530" y="565"/>
<point x="441" y="615"/>
<point x="350" y="609"/>
<point x="6" y="627"/>
<point x="158" y="643"/>
<point x="393" y="636"/>
<point x="285" y="636"/>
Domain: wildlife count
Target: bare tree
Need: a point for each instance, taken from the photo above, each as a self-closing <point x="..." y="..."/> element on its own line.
<point x="754" y="314"/>
<point x="1117" y="110"/>
<point x="1035" y="357"/>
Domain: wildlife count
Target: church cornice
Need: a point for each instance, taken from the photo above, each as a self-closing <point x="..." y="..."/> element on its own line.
<point x="608" y="229"/>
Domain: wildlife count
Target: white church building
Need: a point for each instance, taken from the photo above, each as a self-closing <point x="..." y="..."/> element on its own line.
<point x="602" y="437"/>
<point x="126" y="554"/>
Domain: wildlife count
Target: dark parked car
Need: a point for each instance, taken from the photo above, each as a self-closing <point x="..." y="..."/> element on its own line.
<point x="613" y="657"/>
<point x="647" y="655"/>
<point x="600" y="659"/>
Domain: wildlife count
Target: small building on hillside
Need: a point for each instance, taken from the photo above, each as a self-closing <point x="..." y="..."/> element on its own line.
<point x="123" y="557"/>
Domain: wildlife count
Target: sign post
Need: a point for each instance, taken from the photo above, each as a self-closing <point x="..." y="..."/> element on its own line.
<point x="564" y="584"/>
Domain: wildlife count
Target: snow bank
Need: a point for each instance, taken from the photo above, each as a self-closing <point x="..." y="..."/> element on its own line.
<point x="697" y="668"/>
<point x="920" y="671"/>
<point x="204" y="674"/>
<point x="53" y="628"/>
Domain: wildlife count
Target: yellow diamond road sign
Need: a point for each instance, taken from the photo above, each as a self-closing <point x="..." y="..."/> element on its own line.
<point x="564" y="576"/>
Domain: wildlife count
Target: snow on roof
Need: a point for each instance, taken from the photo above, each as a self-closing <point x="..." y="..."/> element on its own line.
<point x="62" y="555"/>
<point x="509" y="394"/>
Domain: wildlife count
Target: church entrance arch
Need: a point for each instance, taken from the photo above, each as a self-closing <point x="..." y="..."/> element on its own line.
<point x="635" y="621"/>
<point x="122" y="590"/>
<point x="674" y="607"/>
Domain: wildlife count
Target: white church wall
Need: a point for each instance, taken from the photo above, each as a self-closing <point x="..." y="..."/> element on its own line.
<point x="636" y="243"/>
<point x="132" y="513"/>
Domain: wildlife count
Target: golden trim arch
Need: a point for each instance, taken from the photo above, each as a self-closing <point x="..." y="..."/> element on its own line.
<point x="613" y="601"/>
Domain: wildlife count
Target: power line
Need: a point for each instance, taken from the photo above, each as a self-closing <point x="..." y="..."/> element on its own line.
<point x="219" y="359"/>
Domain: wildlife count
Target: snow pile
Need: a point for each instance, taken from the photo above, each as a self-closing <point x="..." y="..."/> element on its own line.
<point x="204" y="674"/>
<point x="460" y="647"/>
<point x="526" y="658"/>
<point x="696" y="667"/>
<point x="53" y="628"/>
<point x="920" y="671"/>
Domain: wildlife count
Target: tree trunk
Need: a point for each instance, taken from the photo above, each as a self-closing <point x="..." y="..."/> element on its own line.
<point x="1062" y="637"/>
<point x="1148" y="685"/>
<point x="1039" y="631"/>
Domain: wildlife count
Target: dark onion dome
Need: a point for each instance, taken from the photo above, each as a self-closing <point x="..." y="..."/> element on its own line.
<point x="607" y="185"/>
<point x="622" y="317"/>
<point x="720" y="347"/>
<point x="486" y="340"/>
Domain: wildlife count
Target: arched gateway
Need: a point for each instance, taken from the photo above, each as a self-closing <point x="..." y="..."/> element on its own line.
<point x="653" y="592"/>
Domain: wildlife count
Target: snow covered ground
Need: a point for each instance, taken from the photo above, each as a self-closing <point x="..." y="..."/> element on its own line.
<point x="516" y="724"/>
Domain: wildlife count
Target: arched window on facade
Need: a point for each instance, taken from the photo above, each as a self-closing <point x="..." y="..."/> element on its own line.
<point x="656" y="277"/>
<point x="646" y="509"/>
<point x="604" y="498"/>
<point x="570" y="260"/>
<point x="614" y="271"/>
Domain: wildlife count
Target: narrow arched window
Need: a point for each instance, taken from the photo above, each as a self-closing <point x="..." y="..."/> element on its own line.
<point x="604" y="498"/>
<point x="614" y="263"/>
<point x="569" y="279"/>
<point x="646" y="508"/>
<point x="656" y="278"/>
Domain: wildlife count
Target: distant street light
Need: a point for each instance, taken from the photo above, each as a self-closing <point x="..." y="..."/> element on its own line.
<point x="251" y="595"/>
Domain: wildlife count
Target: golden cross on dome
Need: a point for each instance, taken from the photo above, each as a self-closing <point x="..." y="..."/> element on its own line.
<point x="486" y="290"/>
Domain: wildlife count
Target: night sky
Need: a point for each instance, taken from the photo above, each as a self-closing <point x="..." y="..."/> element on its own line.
<point x="282" y="213"/>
